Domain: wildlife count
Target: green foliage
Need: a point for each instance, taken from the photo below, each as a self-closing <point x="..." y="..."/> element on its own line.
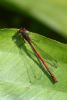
<point x="49" y="12"/>
<point x="21" y="77"/>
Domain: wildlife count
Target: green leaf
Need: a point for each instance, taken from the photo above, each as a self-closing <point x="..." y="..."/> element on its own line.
<point x="21" y="77"/>
<point x="49" y="12"/>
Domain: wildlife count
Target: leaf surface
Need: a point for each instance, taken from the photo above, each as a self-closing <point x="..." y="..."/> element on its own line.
<point x="21" y="77"/>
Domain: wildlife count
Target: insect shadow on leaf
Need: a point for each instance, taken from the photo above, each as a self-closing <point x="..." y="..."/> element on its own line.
<point x="20" y="42"/>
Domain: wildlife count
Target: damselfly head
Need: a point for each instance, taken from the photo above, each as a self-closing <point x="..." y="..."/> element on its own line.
<point x="24" y="33"/>
<point x="23" y="30"/>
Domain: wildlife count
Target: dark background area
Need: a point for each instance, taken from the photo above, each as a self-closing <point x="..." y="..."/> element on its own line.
<point x="13" y="19"/>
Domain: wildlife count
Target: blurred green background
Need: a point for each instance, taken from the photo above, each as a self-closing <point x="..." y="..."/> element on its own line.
<point x="46" y="17"/>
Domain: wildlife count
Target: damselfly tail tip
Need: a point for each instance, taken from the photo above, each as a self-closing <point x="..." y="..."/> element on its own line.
<point x="54" y="79"/>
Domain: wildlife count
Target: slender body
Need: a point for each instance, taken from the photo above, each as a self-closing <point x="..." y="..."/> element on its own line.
<point x="24" y="33"/>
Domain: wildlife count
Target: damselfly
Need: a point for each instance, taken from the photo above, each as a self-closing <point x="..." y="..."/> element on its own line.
<point x="24" y="33"/>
